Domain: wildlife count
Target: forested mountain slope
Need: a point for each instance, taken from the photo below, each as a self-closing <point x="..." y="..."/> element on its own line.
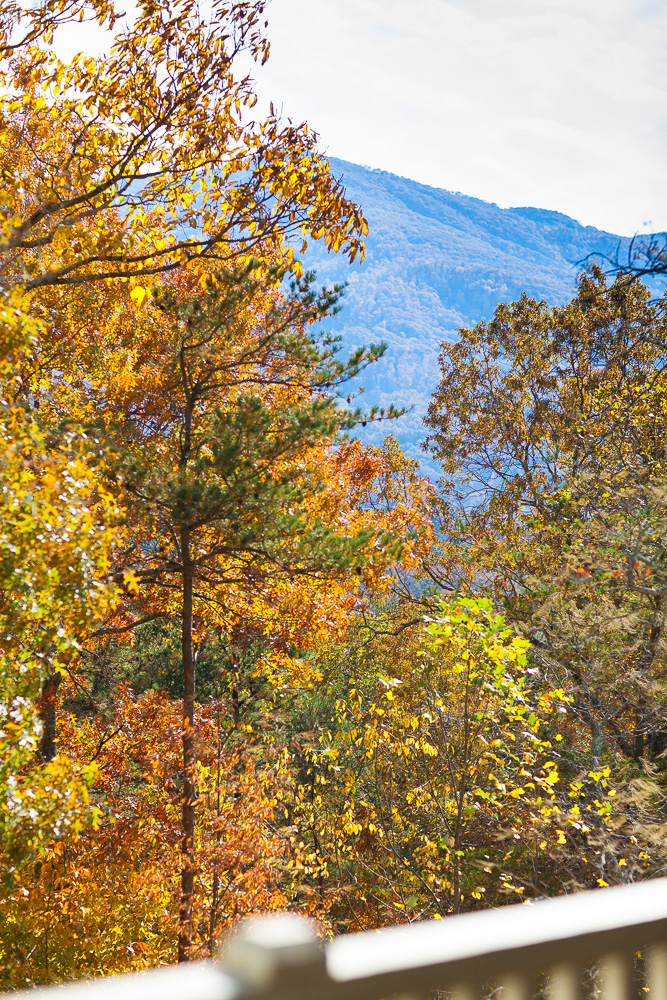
<point x="436" y="261"/>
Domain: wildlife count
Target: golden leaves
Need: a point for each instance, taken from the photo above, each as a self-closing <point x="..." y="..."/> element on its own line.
<point x="113" y="887"/>
<point x="123" y="148"/>
<point x="139" y="294"/>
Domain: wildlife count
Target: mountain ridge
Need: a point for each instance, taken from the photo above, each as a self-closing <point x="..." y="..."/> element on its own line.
<point x="437" y="261"/>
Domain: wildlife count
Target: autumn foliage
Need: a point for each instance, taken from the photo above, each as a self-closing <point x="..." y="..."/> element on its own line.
<point x="246" y="662"/>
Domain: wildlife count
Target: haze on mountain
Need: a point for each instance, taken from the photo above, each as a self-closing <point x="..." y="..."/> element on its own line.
<point x="436" y="261"/>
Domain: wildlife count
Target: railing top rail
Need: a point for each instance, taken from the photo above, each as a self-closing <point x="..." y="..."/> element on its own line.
<point x="546" y="929"/>
<point x="279" y="957"/>
<point x="192" y="981"/>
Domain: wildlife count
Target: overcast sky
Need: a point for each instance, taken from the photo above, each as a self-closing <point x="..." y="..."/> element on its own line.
<point x="558" y="104"/>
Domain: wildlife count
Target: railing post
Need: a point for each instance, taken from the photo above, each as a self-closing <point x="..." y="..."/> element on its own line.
<point x="278" y="954"/>
<point x="564" y="982"/>
<point x="614" y="976"/>
<point x="464" y="991"/>
<point x="517" y="986"/>
<point x="656" y="972"/>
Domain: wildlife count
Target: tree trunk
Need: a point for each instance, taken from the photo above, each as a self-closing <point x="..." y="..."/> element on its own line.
<point x="596" y="742"/>
<point x="215" y="903"/>
<point x="189" y="790"/>
<point x="47" y="713"/>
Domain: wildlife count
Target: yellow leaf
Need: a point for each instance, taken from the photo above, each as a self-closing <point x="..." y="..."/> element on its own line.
<point x="139" y="294"/>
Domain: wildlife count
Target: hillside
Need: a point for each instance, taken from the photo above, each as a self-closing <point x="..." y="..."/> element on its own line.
<point x="436" y="261"/>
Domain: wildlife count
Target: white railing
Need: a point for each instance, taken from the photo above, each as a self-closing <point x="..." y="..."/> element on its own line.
<point x="550" y="942"/>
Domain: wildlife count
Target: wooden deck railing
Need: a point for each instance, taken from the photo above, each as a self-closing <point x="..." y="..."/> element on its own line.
<point x="515" y="948"/>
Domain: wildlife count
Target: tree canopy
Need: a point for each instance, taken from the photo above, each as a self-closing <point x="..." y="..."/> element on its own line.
<point x="248" y="663"/>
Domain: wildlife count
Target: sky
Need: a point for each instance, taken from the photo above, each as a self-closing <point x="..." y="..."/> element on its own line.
<point x="558" y="104"/>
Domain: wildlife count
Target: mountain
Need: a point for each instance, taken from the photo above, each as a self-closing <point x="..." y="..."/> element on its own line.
<point x="436" y="261"/>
